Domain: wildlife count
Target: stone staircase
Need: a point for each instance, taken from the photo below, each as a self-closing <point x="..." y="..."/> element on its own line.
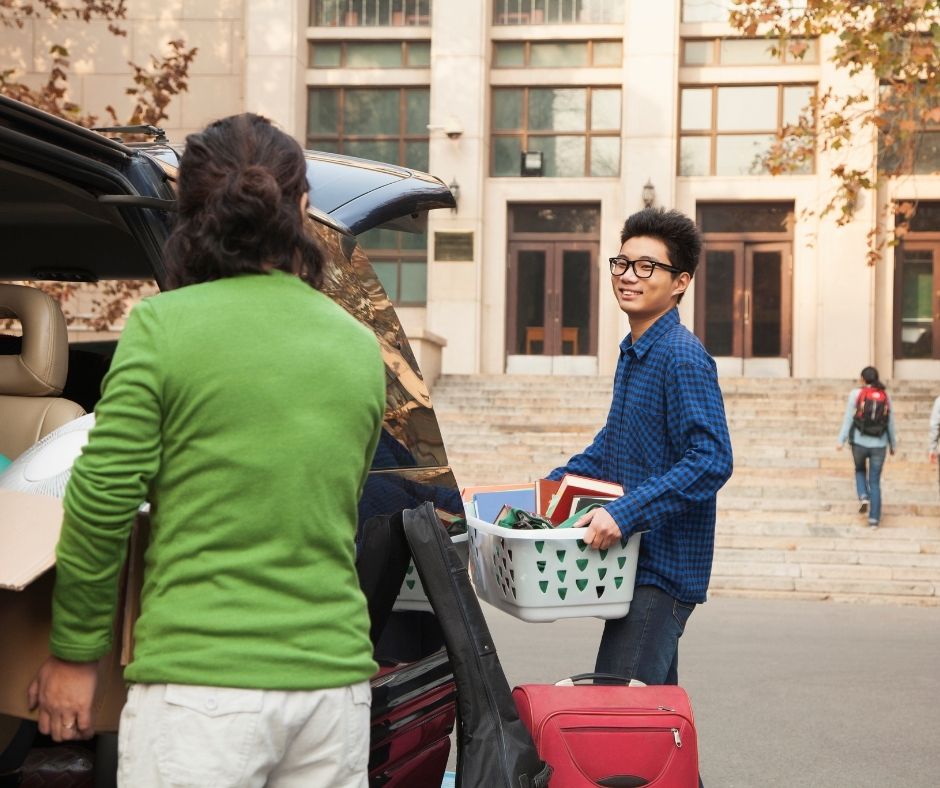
<point x="788" y="521"/>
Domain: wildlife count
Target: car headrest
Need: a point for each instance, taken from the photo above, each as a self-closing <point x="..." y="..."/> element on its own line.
<point x="42" y="364"/>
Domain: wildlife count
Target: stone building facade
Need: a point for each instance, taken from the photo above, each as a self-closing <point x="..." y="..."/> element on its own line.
<point x="552" y="120"/>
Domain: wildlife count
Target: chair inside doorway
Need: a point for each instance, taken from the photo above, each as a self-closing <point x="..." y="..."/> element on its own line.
<point x="535" y="340"/>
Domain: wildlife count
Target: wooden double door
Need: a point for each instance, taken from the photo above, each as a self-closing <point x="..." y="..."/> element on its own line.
<point x="744" y="305"/>
<point x="552" y="298"/>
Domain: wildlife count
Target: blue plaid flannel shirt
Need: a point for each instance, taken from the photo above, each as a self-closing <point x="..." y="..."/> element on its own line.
<point x="666" y="442"/>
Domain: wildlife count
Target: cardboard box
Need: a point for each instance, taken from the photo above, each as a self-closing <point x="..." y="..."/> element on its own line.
<point x="29" y="531"/>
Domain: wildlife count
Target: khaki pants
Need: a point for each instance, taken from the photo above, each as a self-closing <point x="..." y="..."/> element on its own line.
<point x="206" y="737"/>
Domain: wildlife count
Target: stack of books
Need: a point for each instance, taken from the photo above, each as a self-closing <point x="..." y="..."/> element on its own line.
<point x="485" y="502"/>
<point x="575" y="493"/>
<point x="553" y="500"/>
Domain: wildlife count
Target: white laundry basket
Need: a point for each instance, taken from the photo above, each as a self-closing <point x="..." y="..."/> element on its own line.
<point x="411" y="596"/>
<point x="544" y="575"/>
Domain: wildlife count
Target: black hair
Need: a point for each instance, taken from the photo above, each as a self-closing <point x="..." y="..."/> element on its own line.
<point x="870" y="376"/>
<point x="676" y="230"/>
<point x="240" y="184"/>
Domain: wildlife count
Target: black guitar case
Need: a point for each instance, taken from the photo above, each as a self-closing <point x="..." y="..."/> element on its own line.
<point x="494" y="749"/>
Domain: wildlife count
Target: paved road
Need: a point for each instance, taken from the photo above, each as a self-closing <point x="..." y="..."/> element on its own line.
<point x="785" y="693"/>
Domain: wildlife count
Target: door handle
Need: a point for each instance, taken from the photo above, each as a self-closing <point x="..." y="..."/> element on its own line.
<point x="747" y="307"/>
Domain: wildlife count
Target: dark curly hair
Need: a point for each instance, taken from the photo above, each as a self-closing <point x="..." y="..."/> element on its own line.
<point x="676" y="231"/>
<point x="240" y="184"/>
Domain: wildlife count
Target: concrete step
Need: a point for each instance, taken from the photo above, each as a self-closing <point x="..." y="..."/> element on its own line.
<point x="470" y="399"/>
<point x="814" y="542"/>
<point x="788" y="521"/>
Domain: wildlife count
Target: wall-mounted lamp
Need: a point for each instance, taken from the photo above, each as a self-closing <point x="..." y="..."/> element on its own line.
<point x="454" y="190"/>
<point x="649" y="194"/>
<point x="531" y="164"/>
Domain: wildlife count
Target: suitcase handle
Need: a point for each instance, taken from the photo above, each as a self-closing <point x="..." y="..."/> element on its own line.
<point x="610" y="678"/>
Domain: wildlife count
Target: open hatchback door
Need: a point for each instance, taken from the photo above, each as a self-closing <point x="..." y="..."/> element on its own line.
<point x="79" y="206"/>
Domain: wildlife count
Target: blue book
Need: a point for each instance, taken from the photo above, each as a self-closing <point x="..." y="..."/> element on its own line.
<point x="489" y="503"/>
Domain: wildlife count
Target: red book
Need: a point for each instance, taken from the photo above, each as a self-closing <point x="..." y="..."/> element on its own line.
<point x="544" y="490"/>
<point x="572" y="486"/>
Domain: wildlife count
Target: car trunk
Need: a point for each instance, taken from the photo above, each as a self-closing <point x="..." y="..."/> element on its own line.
<point x="77" y="207"/>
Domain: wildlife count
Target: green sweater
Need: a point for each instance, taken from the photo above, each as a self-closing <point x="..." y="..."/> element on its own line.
<point x="247" y="411"/>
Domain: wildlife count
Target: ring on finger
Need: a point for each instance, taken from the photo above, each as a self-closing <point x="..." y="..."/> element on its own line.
<point x="68" y="725"/>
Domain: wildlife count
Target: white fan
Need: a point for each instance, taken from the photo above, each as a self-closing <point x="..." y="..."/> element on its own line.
<point x="45" y="467"/>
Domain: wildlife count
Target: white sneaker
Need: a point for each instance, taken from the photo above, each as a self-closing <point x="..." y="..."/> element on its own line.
<point x="862" y="505"/>
<point x="872" y="523"/>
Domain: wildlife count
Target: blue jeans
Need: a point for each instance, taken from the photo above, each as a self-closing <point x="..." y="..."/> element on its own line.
<point x="868" y="482"/>
<point x="644" y="645"/>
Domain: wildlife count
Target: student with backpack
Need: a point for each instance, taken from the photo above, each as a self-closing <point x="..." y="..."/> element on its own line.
<point x="868" y="425"/>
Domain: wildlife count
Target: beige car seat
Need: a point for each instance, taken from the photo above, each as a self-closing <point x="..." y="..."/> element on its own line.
<point x="31" y="382"/>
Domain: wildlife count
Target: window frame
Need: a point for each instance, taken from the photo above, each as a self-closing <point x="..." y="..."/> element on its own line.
<point x="403" y="137"/>
<point x="508" y="13"/>
<point x="727" y="7"/>
<point x="399" y="257"/>
<point x="784" y="58"/>
<point x="907" y="156"/>
<point x="348" y="13"/>
<point x="713" y="133"/>
<point x="527" y="52"/>
<point x="405" y="44"/>
<point x="524" y="134"/>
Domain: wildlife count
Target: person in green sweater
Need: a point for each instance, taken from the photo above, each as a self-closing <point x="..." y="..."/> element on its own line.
<point x="246" y="406"/>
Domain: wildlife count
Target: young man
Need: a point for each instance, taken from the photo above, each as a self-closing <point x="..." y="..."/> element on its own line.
<point x="666" y="441"/>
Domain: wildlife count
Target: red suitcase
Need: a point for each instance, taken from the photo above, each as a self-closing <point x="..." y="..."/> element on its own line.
<point x="612" y="736"/>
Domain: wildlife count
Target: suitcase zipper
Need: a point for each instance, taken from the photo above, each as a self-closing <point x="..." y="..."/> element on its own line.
<point x="676" y="733"/>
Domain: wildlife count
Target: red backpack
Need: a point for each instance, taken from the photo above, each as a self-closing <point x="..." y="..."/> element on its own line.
<point x="871" y="411"/>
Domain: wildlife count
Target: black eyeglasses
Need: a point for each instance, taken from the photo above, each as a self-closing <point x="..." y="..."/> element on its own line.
<point x="643" y="268"/>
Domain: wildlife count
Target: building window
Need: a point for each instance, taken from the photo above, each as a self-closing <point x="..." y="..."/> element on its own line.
<point x="577" y="130"/>
<point x="747" y="52"/>
<point x="370" y="13"/>
<point x="909" y="143"/>
<point x="557" y="54"/>
<point x="370" y="54"/>
<point x="727" y="129"/>
<point x="400" y="260"/>
<point x="557" y="12"/>
<point x="719" y="10"/>
<point x="385" y="124"/>
<point x="706" y="10"/>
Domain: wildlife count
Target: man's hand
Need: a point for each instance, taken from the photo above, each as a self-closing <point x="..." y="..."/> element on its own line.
<point x="602" y="531"/>
<point x="932" y="456"/>
<point x="64" y="693"/>
<point x="839" y="447"/>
